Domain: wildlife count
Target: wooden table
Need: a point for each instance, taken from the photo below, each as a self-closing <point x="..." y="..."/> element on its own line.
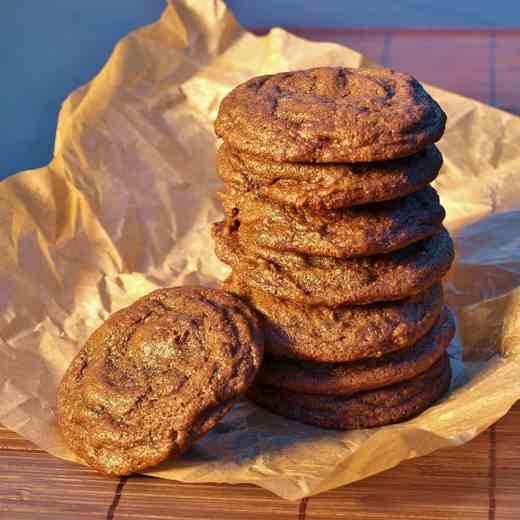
<point x="480" y="480"/>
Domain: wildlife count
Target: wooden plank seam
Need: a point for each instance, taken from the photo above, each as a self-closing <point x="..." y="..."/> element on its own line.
<point x="302" y="508"/>
<point x="116" y="498"/>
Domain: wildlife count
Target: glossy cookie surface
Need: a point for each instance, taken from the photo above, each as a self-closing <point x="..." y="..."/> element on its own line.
<point x="156" y="376"/>
<point x="330" y="114"/>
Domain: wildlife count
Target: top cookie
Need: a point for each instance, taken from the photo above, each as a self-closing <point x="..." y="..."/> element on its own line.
<point x="330" y="114"/>
<point x="156" y="376"/>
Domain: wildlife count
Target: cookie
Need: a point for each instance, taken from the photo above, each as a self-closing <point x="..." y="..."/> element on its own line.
<point x="360" y="231"/>
<point x="321" y="280"/>
<point x="368" y="409"/>
<point x="367" y="374"/>
<point x="347" y="333"/>
<point x="156" y="376"/>
<point x="330" y="114"/>
<point x="328" y="186"/>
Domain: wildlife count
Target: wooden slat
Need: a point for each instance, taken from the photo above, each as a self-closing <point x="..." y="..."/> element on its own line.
<point x="10" y="440"/>
<point x="506" y="48"/>
<point x="36" y="486"/>
<point x="507" y="473"/>
<point x="460" y="63"/>
<point x="163" y="499"/>
<point x="451" y="483"/>
<point x="371" y="44"/>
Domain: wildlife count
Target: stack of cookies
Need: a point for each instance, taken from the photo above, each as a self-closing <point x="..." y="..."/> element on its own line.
<point x="335" y="236"/>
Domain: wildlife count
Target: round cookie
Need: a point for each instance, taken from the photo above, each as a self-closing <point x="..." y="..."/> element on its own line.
<point x="328" y="186"/>
<point x="387" y="405"/>
<point x="366" y="374"/>
<point x="330" y="114"/>
<point x="360" y="231"/>
<point x="336" y="335"/>
<point x="156" y="376"/>
<point x="320" y="280"/>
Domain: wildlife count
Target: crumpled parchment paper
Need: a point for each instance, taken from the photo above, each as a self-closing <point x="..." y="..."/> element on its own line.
<point x="126" y="204"/>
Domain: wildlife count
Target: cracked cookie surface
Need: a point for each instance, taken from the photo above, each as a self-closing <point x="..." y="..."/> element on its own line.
<point x="360" y="231"/>
<point x="368" y="409"/>
<point x="330" y="114"/>
<point x="156" y="376"/>
<point x="321" y="280"/>
<point x="365" y="374"/>
<point x="345" y="333"/>
<point x="328" y="186"/>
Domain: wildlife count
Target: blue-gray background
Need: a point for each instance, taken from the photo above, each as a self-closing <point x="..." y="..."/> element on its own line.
<point x="48" y="48"/>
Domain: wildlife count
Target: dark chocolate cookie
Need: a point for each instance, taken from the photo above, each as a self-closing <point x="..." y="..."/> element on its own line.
<point x="360" y="231"/>
<point x="366" y="374"/>
<point x="320" y="280"/>
<point x="368" y="409"/>
<point x="328" y="186"/>
<point x="156" y="376"/>
<point x="346" y="333"/>
<point x="330" y="114"/>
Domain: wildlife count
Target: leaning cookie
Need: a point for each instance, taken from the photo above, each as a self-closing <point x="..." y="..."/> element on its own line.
<point x="156" y="376"/>
<point x="366" y="374"/>
<point x="330" y="114"/>
<point x="320" y="280"/>
<point x="360" y="231"/>
<point x="328" y="186"/>
<point x="369" y="409"/>
<point x="337" y="335"/>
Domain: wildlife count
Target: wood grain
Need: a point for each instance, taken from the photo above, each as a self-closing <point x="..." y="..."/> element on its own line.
<point x="451" y="483"/>
<point x="36" y="486"/>
<point x="163" y="499"/>
<point x="12" y="441"/>
<point x="507" y="474"/>
<point x="479" y="480"/>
